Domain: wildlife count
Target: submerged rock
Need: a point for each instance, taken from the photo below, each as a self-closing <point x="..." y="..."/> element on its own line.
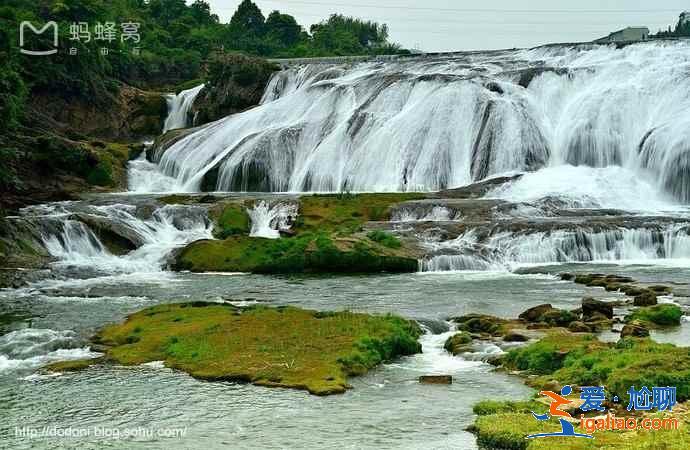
<point x="436" y="379"/>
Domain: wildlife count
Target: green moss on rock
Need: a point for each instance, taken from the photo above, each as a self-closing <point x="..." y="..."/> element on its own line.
<point x="661" y="315"/>
<point x="458" y="343"/>
<point x="582" y="360"/>
<point x="306" y="253"/>
<point x="280" y="347"/>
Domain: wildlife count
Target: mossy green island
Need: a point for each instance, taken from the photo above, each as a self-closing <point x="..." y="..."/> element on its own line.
<point x="275" y="347"/>
<point x="328" y="236"/>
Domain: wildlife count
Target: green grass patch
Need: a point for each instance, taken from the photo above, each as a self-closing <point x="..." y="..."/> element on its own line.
<point x="285" y="347"/>
<point x="346" y="213"/>
<point x="304" y="253"/>
<point x="385" y="239"/>
<point x="584" y="361"/>
<point x="507" y="430"/>
<point x="488" y="407"/>
<point x="662" y="315"/>
<point x="232" y="220"/>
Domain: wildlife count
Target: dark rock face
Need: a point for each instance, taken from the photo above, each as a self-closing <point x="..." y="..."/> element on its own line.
<point x="235" y="84"/>
<point x="635" y="329"/>
<point x="579" y="327"/>
<point x="129" y="115"/>
<point x="591" y="308"/>
<point x="514" y="336"/>
<point x="535" y="313"/>
<point x="647" y="298"/>
<point x="116" y="236"/>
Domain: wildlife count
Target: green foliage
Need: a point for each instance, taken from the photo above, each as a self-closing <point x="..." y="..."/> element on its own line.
<point x="489" y="407"/>
<point x="176" y="40"/>
<point x="385" y="239"/>
<point x="584" y="361"/>
<point x="662" y="315"/>
<point x="304" y="253"/>
<point x="232" y="221"/>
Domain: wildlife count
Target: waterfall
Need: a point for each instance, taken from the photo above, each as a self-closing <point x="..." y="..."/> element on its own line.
<point x="505" y="250"/>
<point x="423" y="124"/>
<point x="76" y="241"/>
<point x="178" y="108"/>
<point x="269" y="220"/>
<point x="422" y="214"/>
<point x="69" y="238"/>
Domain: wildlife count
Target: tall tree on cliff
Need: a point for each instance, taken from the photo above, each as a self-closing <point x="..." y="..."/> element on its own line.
<point x="247" y="28"/>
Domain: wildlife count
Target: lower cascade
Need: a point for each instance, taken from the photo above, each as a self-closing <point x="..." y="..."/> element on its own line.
<point x="505" y="250"/>
<point x="132" y="238"/>
<point x="30" y="348"/>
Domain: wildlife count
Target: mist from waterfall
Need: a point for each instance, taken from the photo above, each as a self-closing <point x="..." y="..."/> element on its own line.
<point x="423" y="124"/>
<point x="179" y="106"/>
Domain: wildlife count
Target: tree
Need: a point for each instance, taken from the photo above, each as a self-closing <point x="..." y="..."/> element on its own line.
<point x="283" y="29"/>
<point x="248" y="19"/>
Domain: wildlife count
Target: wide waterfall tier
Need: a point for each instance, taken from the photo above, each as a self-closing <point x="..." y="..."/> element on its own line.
<point x="424" y="124"/>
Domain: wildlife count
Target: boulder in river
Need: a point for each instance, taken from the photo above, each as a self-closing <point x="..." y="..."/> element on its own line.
<point x="458" y="343"/>
<point x="535" y="313"/>
<point x="635" y="328"/>
<point x="591" y="306"/>
<point x="647" y="298"/>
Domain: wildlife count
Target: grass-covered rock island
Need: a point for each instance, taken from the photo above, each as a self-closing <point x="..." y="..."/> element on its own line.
<point x="276" y="347"/>
<point x="328" y="236"/>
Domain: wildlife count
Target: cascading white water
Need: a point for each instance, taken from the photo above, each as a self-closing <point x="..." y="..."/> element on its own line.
<point x="168" y="227"/>
<point x="504" y="251"/>
<point x="178" y="108"/>
<point x="426" y="124"/>
<point x="30" y="348"/>
<point x="269" y="220"/>
<point x="75" y="242"/>
<point x="435" y="214"/>
<point x="143" y="177"/>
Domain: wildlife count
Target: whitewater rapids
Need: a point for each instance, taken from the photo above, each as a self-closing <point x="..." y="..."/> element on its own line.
<point x="424" y="124"/>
